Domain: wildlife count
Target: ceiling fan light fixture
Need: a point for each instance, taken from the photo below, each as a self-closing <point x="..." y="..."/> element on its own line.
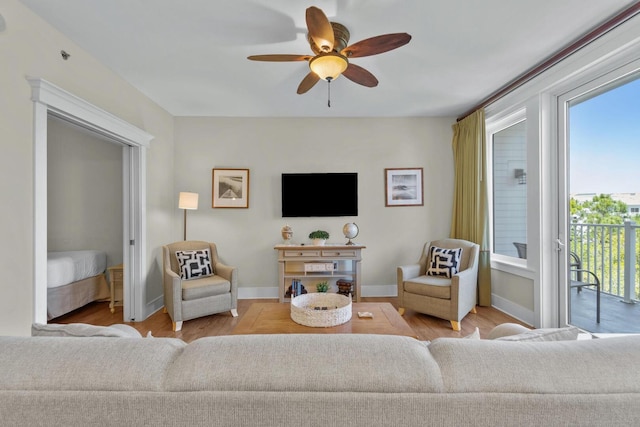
<point x="328" y="66"/>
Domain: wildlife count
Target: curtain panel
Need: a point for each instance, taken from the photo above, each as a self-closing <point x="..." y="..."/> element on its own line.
<point x="470" y="217"/>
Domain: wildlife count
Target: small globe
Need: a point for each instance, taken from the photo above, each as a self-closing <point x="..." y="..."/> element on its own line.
<point x="350" y="231"/>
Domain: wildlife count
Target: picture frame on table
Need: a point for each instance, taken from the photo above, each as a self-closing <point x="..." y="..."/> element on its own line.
<point x="230" y="188"/>
<point x="403" y="187"/>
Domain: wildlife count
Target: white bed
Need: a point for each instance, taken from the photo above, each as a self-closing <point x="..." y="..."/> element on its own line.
<point x="75" y="278"/>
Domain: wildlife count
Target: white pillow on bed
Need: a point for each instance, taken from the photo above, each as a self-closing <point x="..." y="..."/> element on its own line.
<point x="83" y="330"/>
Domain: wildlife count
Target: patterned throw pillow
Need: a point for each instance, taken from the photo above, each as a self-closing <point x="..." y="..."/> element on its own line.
<point x="194" y="264"/>
<point x="444" y="262"/>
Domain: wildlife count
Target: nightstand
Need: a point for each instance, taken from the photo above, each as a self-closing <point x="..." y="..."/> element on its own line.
<point x="116" y="274"/>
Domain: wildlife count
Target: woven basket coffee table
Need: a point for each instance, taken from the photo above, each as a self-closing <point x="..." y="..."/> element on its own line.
<point x="321" y="310"/>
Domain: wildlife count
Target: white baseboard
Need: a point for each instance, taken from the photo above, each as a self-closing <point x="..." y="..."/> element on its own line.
<point x="257" y="292"/>
<point x="380" y="291"/>
<point x="154" y="306"/>
<point x="512" y="309"/>
<point x="272" y="292"/>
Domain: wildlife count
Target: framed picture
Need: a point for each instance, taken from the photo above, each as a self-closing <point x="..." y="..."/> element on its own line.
<point x="403" y="187"/>
<point x="230" y="188"/>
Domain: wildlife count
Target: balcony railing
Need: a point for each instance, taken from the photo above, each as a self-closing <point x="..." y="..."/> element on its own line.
<point x="610" y="252"/>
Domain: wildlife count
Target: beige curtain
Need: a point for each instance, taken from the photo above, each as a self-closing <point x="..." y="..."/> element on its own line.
<point x="470" y="207"/>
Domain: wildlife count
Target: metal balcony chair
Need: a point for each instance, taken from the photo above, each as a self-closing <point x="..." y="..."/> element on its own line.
<point x="522" y="249"/>
<point x="580" y="278"/>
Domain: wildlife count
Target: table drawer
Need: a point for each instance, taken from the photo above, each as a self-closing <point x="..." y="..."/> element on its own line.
<point x="339" y="253"/>
<point x="299" y="254"/>
<point x="116" y="276"/>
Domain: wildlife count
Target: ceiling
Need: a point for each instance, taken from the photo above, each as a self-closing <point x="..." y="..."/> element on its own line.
<point x="191" y="56"/>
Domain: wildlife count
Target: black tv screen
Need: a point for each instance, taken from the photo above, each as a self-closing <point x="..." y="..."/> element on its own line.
<point x="319" y="194"/>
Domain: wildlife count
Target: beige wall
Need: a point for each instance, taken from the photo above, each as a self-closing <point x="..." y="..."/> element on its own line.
<point x="269" y="147"/>
<point x="513" y="294"/>
<point x="30" y="47"/>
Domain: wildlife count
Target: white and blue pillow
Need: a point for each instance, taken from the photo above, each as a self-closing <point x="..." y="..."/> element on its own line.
<point x="444" y="262"/>
<point x="194" y="263"/>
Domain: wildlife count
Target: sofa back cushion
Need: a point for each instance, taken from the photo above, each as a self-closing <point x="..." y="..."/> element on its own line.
<point x="306" y="362"/>
<point x="77" y="364"/>
<point x="584" y="366"/>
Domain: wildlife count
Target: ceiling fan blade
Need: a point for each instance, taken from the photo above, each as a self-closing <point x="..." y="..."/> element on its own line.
<point x="308" y="82"/>
<point x="279" y="58"/>
<point x="320" y="29"/>
<point x="376" y="45"/>
<point x="361" y="76"/>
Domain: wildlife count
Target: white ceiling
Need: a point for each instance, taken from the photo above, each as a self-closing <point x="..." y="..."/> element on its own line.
<point x="190" y="56"/>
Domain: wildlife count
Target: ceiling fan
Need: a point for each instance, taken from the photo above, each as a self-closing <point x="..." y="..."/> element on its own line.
<point x="328" y="41"/>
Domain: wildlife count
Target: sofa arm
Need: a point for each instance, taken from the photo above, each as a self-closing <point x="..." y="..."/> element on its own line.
<point x="173" y="294"/>
<point x="464" y="290"/>
<point x="226" y="271"/>
<point x="468" y="277"/>
<point x="231" y="274"/>
<point x="408" y="272"/>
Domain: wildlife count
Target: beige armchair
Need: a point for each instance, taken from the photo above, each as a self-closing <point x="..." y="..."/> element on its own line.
<point x="201" y="296"/>
<point x="446" y="298"/>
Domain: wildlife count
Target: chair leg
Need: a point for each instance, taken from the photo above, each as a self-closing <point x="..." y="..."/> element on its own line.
<point x="234" y="312"/>
<point x="401" y="311"/>
<point x="455" y="325"/>
<point x="177" y="326"/>
<point x="164" y="310"/>
<point x="598" y="304"/>
<point x="474" y="310"/>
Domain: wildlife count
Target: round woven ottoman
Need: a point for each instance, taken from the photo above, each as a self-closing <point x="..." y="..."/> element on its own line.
<point x="321" y="310"/>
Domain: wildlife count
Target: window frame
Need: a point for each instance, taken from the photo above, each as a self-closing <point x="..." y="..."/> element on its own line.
<point x="492" y="127"/>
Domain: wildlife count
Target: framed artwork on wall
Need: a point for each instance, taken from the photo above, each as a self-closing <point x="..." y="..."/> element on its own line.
<point x="403" y="187"/>
<point x="230" y="188"/>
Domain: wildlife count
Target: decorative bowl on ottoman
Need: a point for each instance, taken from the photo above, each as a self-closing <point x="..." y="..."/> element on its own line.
<point x="321" y="310"/>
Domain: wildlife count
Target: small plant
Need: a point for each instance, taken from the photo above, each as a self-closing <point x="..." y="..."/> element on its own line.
<point x="322" y="287"/>
<point x="319" y="234"/>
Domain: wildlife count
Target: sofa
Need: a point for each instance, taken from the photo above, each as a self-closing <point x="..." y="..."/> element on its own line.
<point x="317" y="380"/>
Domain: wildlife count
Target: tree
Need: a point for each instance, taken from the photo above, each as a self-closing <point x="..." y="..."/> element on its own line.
<point x="601" y="209"/>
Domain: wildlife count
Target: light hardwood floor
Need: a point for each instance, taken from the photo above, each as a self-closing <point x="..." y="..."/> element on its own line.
<point x="159" y="324"/>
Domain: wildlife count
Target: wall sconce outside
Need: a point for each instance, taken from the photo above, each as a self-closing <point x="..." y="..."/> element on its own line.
<point x="521" y="176"/>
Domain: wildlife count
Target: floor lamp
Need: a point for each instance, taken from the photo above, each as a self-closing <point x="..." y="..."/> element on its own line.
<point x="187" y="201"/>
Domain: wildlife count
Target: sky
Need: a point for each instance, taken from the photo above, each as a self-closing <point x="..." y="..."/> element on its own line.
<point x="605" y="142"/>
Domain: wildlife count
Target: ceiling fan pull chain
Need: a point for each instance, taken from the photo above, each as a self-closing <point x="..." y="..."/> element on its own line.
<point x="329" y="93"/>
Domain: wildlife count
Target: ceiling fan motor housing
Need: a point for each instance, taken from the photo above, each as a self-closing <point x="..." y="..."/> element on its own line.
<point x="341" y="39"/>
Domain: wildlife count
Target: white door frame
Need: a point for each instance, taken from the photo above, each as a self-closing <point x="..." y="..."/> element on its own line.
<point x="50" y="99"/>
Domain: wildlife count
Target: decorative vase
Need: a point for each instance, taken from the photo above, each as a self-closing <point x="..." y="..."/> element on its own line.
<point x="319" y="242"/>
<point x="287" y="234"/>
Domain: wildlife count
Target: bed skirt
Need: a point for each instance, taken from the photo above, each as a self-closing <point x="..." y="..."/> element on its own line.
<point x="63" y="299"/>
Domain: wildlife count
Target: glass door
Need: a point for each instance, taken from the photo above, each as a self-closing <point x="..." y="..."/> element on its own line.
<point x="600" y="205"/>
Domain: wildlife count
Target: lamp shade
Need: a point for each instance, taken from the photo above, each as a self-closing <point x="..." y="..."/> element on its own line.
<point x="188" y="200"/>
<point x="328" y="66"/>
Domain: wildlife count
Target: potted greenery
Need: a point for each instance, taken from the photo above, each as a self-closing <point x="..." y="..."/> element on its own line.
<point x="322" y="287"/>
<point x="319" y="237"/>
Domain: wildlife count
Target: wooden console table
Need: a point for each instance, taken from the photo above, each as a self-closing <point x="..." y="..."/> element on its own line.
<point x="291" y="260"/>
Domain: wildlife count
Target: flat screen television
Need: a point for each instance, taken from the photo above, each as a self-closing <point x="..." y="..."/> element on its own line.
<point x="319" y="194"/>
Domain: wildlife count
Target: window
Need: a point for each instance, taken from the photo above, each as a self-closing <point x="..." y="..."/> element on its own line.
<point x="509" y="192"/>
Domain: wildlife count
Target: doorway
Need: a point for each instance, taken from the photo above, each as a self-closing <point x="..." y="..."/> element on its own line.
<point x="601" y="198"/>
<point x="84" y="215"/>
<point x="50" y="99"/>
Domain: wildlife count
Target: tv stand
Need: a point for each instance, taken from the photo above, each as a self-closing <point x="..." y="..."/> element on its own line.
<point x="292" y="259"/>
